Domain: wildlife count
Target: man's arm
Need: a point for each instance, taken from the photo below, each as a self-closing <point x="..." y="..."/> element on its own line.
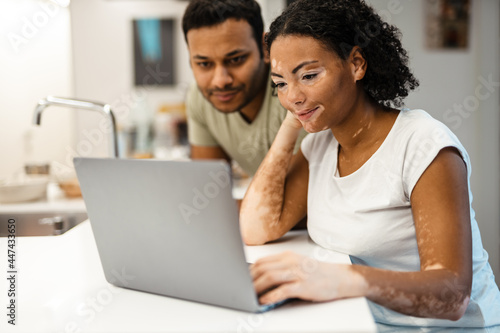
<point x="208" y="152"/>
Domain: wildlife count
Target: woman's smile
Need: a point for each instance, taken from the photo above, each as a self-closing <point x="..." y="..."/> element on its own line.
<point x="306" y="114"/>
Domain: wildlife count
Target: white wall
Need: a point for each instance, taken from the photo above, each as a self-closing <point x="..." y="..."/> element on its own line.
<point x="35" y="61"/>
<point x="103" y="63"/>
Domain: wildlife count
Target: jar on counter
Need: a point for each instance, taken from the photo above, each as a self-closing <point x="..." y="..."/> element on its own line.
<point x="169" y="132"/>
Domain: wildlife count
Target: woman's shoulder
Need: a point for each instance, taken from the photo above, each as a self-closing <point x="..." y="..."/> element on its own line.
<point x="418" y="124"/>
<point x="422" y="137"/>
<point x="417" y="117"/>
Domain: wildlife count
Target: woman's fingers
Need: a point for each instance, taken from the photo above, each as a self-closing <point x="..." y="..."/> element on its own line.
<point x="292" y="120"/>
<point x="277" y="261"/>
<point x="278" y="270"/>
<point x="273" y="278"/>
<point x="283" y="292"/>
<point x="289" y="275"/>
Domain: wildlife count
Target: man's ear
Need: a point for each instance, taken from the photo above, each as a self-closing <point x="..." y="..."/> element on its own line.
<point x="265" y="52"/>
<point x="358" y="63"/>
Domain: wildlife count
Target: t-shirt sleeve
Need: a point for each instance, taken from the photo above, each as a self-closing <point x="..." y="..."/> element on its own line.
<point x="423" y="146"/>
<point x="198" y="132"/>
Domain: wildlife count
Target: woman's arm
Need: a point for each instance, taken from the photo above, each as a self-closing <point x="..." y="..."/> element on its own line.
<point x="440" y="205"/>
<point x="441" y="289"/>
<point x="276" y="198"/>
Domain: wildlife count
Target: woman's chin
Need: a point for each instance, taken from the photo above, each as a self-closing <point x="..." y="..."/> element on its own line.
<point x="313" y="128"/>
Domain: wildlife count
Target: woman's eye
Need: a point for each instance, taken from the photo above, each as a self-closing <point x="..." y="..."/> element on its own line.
<point x="309" y="76"/>
<point x="279" y="85"/>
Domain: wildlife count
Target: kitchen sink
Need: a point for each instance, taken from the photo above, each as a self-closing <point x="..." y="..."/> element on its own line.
<point x="42" y="223"/>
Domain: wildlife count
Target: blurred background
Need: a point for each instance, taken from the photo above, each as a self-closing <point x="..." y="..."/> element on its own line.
<point x="90" y="50"/>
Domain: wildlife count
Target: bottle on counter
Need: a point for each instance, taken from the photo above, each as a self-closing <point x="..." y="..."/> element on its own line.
<point x="168" y="142"/>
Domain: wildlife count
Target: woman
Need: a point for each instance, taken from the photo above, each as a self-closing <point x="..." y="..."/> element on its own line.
<point x="389" y="187"/>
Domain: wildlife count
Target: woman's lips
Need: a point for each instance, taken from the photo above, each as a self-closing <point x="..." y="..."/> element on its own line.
<point x="305" y="115"/>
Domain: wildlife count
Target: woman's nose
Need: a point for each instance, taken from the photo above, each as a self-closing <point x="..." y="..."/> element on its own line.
<point x="295" y="95"/>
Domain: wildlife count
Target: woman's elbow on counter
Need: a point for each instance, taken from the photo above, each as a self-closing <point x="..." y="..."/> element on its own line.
<point x="452" y="310"/>
<point x="252" y="241"/>
<point x="253" y="238"/>
<point x="256" y="236"/>
<point x="459" y="310"/>
<point x="462" y="295"/>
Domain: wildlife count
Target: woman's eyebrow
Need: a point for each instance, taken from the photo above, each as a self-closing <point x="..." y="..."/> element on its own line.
<point x="296" y="69"/>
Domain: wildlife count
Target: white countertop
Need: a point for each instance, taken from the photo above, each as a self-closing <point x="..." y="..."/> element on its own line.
<point x="54" y="201"/>
<point x="61" y="288"/>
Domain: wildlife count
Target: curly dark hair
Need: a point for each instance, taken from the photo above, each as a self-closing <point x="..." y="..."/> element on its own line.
<point x="341" y="25"/>
<point x="207" y="13"/>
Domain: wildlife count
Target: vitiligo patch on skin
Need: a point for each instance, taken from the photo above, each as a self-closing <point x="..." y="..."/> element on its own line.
<point x="449" y="297"/>
<point x="271" y="198"/>
<point x="278" y="168"/>
<point x="433" y="267"/>
<point x="427" y="305"/>
<point x="276" y="65"/>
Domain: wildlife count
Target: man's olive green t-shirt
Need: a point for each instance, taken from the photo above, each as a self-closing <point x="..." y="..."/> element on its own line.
<point x="246" y="143"/>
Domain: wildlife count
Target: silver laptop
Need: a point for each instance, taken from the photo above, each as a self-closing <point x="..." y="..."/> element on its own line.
<point x="172" y="226"/>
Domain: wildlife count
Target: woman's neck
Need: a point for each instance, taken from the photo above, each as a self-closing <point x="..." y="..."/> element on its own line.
<point x="368" y="124"/>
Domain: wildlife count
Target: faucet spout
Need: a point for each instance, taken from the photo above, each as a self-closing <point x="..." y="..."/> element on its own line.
<point x="104" y="109"/>
<point x="37" y="116"/>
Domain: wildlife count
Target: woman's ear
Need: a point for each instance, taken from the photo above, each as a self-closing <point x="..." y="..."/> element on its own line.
<point x="265" y="52"/>
<point x="358" y="63"/>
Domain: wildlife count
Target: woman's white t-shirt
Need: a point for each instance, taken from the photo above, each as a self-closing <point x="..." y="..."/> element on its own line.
<point x="368" y="216"/>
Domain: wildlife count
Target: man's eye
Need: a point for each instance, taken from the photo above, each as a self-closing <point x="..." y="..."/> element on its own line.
<point x="237" y="60"/>
<point x="203" y="64"/>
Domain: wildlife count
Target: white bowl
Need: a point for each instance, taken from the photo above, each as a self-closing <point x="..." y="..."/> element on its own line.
<point x="28" y="189"/>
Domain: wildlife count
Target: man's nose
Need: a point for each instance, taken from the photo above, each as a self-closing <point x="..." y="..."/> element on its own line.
<point x="222" y="77"/>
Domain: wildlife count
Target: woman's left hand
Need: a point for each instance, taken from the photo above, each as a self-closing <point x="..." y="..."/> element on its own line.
<point x="289" y="275"/>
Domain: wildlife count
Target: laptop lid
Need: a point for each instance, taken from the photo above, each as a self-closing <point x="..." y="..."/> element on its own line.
<point x="171" y="225"/>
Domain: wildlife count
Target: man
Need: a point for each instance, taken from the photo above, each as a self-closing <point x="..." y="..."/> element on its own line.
<point x="232" y="111"/>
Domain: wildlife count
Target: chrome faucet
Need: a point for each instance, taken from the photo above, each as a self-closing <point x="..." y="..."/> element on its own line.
<point x="79" y="104"/>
